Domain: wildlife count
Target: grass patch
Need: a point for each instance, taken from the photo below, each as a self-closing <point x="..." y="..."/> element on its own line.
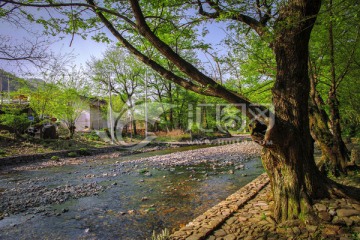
<point x="84" y="152"/>
<point x="55" y="158"/>
<point x="2" y="152"/>
<point x="72" y="154"/>
<point x="142" y="171"/>
<point x="172" y="136"/>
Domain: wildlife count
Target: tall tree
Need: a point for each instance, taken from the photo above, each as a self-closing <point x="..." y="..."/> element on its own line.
<point x="287" y="144"/>
<point x="329" y="69"/>
<point x="122" y="74"/>
<point x="68" y="106"/>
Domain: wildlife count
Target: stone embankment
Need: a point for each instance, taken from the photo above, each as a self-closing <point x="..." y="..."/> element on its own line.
<point x="251" y="218"/>
<point x="205" y="224"/>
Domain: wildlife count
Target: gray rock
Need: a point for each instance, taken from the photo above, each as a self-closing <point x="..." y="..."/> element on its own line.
<point x="220" y="233"/>
<point x="320" y="207"/>
<point x="325" y="216"/>
<point x="338" y="221"/>
<point x="311" y="228"/>
<point x="230" y="237"/>
<point x="347" y="212"/>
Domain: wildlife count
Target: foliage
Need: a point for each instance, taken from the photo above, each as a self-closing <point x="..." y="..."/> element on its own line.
<point x="2" y="152"/>
<point x="92" y="136"/>
<point x="42" y="99"/>
<point x="68" y="106"/>
<point x="15" y="118"/>
<point x="251" y="66"/>
<point x="55" y="158"/>
<point x="346" y="52"/>
<point x="118" y="71"/>
<point x="72" y="154"/>
<point x="84" y="152"/>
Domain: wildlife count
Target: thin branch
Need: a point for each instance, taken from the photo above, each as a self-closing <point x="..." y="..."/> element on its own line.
<point x="258" y="26"/>
<point x="350" y="60"/>
<point x="55" y="5"/>
<point x="154" y="65"/>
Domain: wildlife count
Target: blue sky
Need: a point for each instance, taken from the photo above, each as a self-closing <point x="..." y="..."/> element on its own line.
<point x="80" y="48"/>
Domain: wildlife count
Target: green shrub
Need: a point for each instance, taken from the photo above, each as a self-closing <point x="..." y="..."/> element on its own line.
<point x="143" y="171"/>
<point x="2" y="152"/>
<point x="55" y="158"/>
<point x="84" y="152"/>
<point x="72" y="154"/>
<point x="92" y="136"/>
<point x="14" y="118"/>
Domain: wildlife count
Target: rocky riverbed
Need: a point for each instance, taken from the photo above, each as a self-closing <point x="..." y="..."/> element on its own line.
<point x="112" y="196"/>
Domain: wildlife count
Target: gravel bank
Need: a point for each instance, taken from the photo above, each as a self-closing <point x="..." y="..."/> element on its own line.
<point x="222" y="155"/>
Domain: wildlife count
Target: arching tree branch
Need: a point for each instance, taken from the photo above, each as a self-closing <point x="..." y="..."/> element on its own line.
<point x="157" y="67"/>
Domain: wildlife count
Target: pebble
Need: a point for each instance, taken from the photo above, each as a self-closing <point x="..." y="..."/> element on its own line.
<point x="20" y="199"/>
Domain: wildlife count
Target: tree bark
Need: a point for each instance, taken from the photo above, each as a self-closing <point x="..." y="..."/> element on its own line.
<point x="71" y="131"/>
<point x="289" y="161"/>
<point x="334" y="155"/>
<point x="171" y="111"/>
<point x="340" y="150"/>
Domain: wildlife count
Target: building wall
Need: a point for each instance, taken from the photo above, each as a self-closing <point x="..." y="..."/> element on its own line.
<point x="83" y="120"/>
<point x="97" y="120"/>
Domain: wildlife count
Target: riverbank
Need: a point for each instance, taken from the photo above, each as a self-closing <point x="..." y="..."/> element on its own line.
<point x="247" y="214"/>
<point x="24" y="155"/>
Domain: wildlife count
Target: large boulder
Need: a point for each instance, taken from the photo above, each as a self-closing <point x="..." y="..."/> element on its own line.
<point x="49" y="132"/>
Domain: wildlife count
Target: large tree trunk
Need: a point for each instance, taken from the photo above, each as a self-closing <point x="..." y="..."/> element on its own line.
<point x="289" y="160"/>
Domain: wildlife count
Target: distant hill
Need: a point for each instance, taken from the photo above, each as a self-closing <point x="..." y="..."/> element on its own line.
<point x="8" y="80"/>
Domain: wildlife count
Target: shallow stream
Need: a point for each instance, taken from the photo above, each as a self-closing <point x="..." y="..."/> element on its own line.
<point x="135" y="198"/>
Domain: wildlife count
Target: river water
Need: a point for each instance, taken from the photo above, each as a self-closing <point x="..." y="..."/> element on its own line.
<point x="135" y="198"/>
